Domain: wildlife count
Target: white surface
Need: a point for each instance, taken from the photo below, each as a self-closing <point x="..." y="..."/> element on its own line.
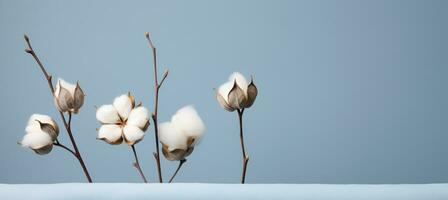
<point x="223" y="191"/>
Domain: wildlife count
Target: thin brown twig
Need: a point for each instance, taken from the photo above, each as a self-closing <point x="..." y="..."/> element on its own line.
<point x="136" y="164"/>
<point x="48" y="77"/>
<point x="181" y="162"/>
<point x="57" y="143"/>
<point x="245" y="156"/>
<point x="156" y="102"/>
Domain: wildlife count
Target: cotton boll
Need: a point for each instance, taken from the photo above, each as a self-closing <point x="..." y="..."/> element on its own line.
<point x="124" y="105"/>
<point x="45" y="123"/>
<point x="68" y="97"/>
<point x="132" y="134"/>
<point x="110" y="134"/>
<point x="172" y="136"/>
<point x="107" y="114"/>
<point x="240" y="80"/>
<point x="138" y="117"/>
<point x="36" y="140"/>
<point x="188" y="120"/>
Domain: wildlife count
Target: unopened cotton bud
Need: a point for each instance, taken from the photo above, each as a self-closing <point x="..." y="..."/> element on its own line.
<point x="68" y="97"/>
<point x="236" y="93"/>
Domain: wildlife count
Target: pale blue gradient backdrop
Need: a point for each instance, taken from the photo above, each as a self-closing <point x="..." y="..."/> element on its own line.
<point x="349" y="91"/>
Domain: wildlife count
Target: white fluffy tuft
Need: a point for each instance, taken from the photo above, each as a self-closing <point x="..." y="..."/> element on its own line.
<point x="188" y="120"/>
<point x="107" y="114"/>
<point x="36" y="140"/>
<point x="33" y="124"/>
<point x="172" y="136"/>
<point x="123" y="104"/>
<point x="224" y="90"/>
<point x="133" y="134"/>
<point x="240" y="80"/>
<point x="42" y="118"/>
<point x="109" y="132"/>
<point x="138" y="117"/>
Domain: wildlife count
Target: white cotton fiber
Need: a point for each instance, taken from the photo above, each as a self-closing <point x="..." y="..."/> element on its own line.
<point x="68" y="86"/>
<point x="110" y="133"/>
<point x="36" y="140"/>
<point x="132" y="134"/>
<point x="34" y="126"/>
<point x="123" y="105"/>
<point x="138" y="117"/>
<point x="224" y="90"/>
<point x="107" y="114"/>
<point x="240" y="80"/>
<point x="33" y="121"/>
<point x="188" y="120"/>
<point x="172" y="136"/>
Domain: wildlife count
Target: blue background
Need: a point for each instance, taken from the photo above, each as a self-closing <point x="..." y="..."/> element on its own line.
<point x="349" y="91"/>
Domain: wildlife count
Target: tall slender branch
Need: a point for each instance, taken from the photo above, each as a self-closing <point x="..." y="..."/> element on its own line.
<point x="156" y="105"/>
<point x="245" y="156"/>
<point x="181" y="162"/>
<point x="137" y="165"/>
<point x="48" y="77"/>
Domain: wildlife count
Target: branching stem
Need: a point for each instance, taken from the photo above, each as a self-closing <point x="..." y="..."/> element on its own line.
<point x="157" y="86"/>
<point x="67" y="125"/>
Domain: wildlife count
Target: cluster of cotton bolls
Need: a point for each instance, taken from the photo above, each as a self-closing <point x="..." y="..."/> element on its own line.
<point x="122" y="120"/>
<point x="42" y="131"/>
<point x="181" y="134"/>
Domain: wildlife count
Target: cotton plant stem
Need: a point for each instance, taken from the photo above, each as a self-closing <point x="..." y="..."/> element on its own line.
<point x="245" y="156"/>
<point x="67" y="125"/>
<point x="181" y="162"/>
<point x="57" y="143"/>
<point x="157" y="86"/>
<point x="137" y="165"/>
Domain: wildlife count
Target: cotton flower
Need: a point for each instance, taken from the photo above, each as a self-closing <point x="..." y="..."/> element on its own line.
<point x="236" y="93"/>
<point x="181" y="134"/>
<point x="68" y="97"/>
<point x="41" y="132"/>
<point x="122" y="120"/>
